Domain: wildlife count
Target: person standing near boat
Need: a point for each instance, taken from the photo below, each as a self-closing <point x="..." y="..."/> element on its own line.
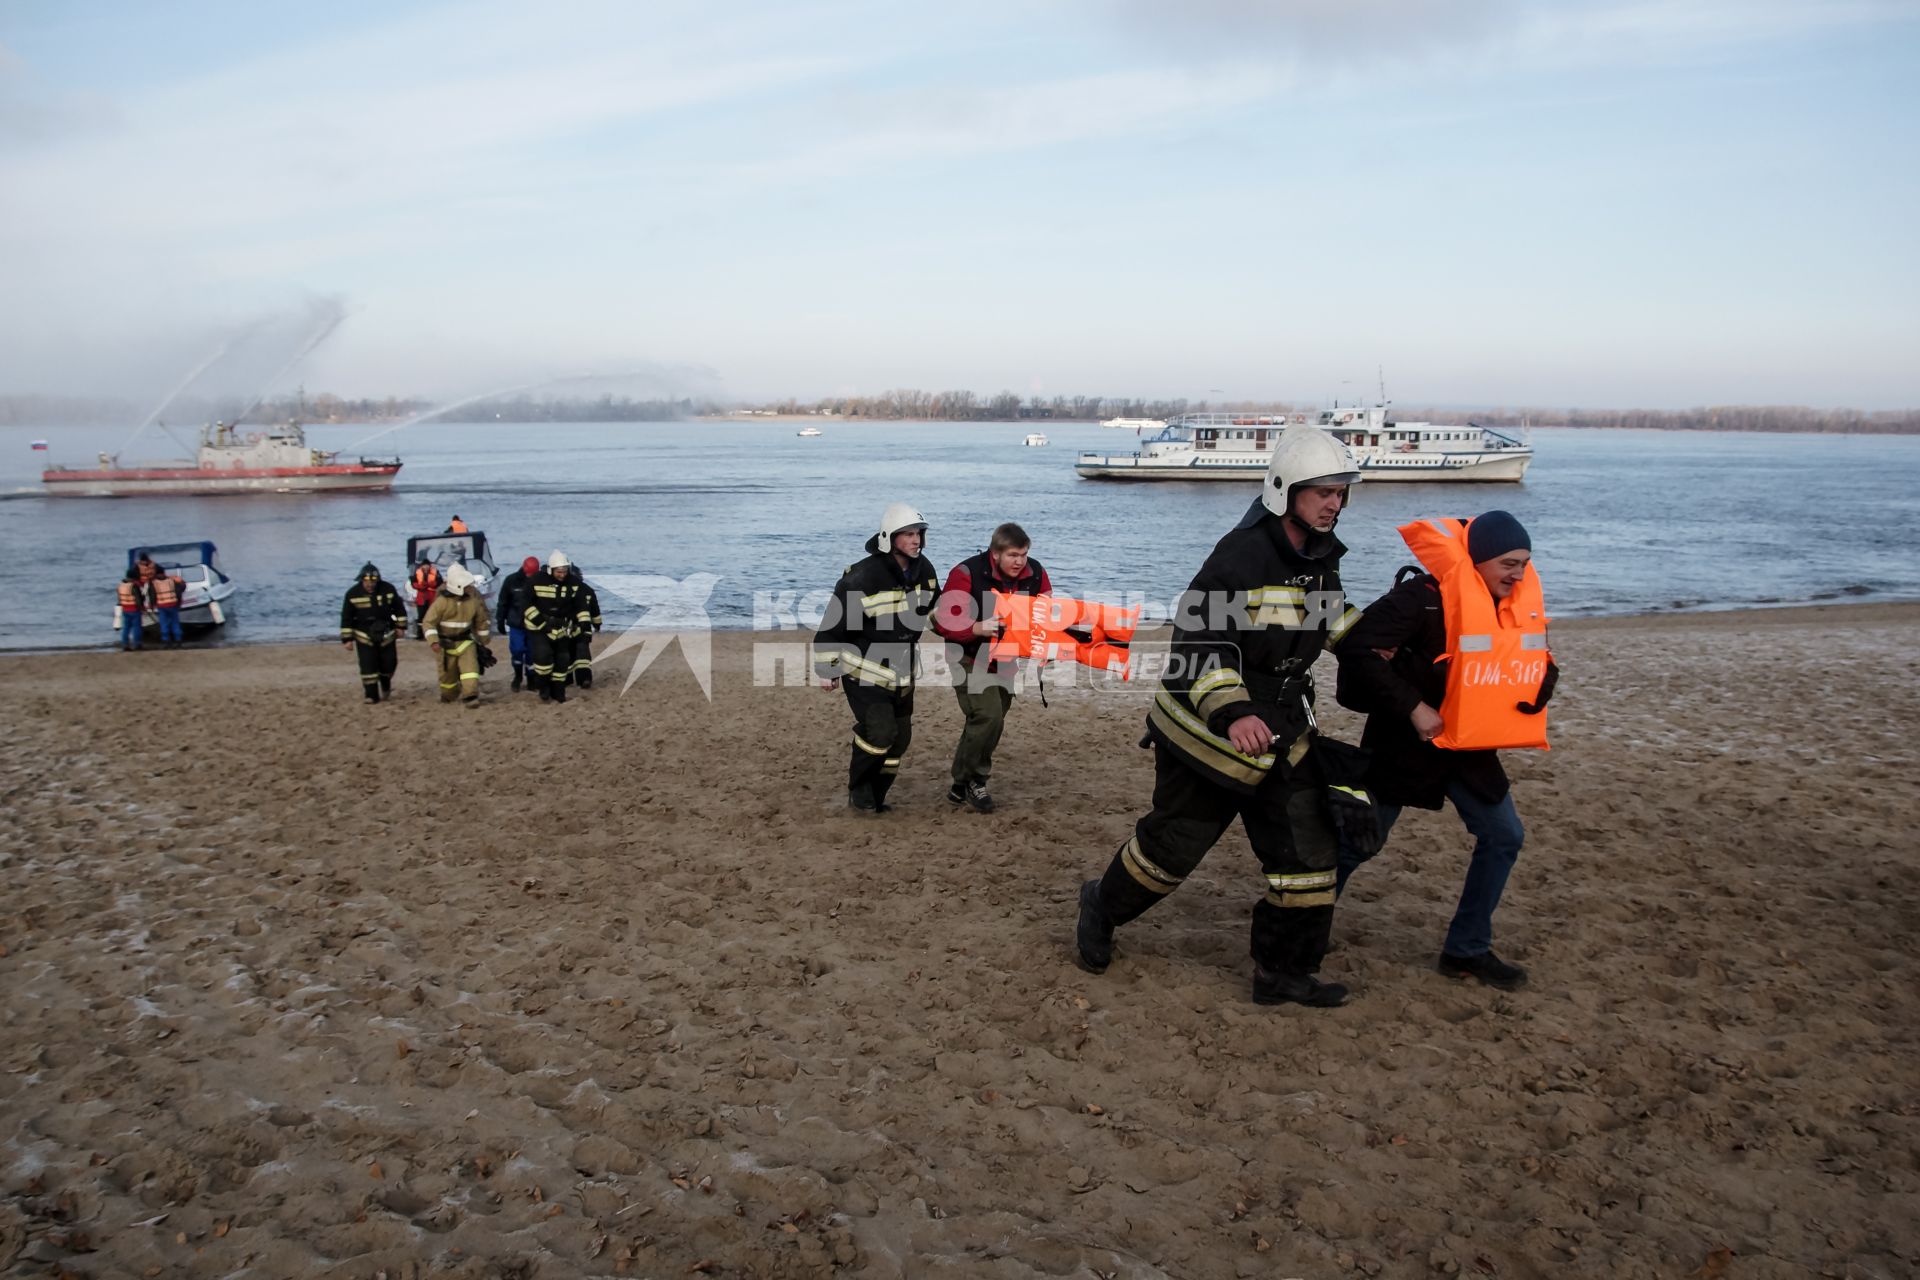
<point x="167" y="588"/>
<point x="132" y="598"/>
<point x="458" y="627"/>
<point x="868" y="640"/>
<point x="964" y="618"/>
<point x="1395" y="668"/>
<point x="1233" y="732"/>
<point x="426" y="585"/>
<point x="515" y="592"/>
<point x="372" y="620"/>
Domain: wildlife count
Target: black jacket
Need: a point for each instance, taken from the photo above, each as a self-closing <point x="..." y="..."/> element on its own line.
<point x="515" y="593"/>
<point x="372" y="617"/>
<point x="873" y="625"/>
<point x="1246" y="631"/>
<point x="556" y="609"/>
<point x="1405" y="770"/>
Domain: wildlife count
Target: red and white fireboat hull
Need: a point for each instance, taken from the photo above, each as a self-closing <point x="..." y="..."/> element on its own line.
<point x="138" y="482"/>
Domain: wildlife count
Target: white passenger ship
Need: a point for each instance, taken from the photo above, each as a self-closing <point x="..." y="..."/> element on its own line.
<point x="1237" y="446"/>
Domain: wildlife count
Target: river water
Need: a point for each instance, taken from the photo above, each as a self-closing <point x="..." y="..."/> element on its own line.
<point x="1622" y="521"/>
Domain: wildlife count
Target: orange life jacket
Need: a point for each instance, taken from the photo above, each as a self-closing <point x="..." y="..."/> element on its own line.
<point x="457" y="526"/>
<point x="426" y="578"/>
<point x="166" y="591"/>
<point x="129" y="597"/>
<point x="1498" y="650"/>
<point x="1040" y="628"/>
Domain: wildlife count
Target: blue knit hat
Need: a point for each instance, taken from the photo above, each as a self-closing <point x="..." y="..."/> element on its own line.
<point x="1494" y="534"/>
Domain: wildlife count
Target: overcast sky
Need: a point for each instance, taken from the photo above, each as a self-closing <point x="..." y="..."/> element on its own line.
<point x="1617" y="203"/>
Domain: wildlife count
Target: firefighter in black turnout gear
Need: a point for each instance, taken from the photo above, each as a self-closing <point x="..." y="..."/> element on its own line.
<point x="555" y="614"/>
<point x="869" y="640"/>
<point x="583" y="640"/>
<point x="372" y="619"/>
<point x="1232" y="728"/>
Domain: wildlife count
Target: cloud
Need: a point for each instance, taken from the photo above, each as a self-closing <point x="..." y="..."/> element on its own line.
<point x="31" y="115"/>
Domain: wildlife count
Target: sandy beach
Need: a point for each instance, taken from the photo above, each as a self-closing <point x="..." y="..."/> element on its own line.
<point x="297" y="986"/>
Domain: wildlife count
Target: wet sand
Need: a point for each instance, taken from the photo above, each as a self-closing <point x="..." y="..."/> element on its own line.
<point x="296" y="986"/>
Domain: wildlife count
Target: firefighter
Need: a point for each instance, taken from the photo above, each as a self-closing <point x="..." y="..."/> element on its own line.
<point x="1232" y="728"/>
<point x="583" y="642"/>
<point x="372" y="619"/>
<point x="167" y="588"/>
<point x="515" y="592"/>
<point x="1392" y="669"/>
<point x="426" y="585"/>
<point x="458" y="628"/>
<point x="555" y="615"/>
<point x="869" y="640"/>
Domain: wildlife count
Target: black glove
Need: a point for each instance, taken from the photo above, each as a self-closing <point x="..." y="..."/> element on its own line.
<point x="1545" y="695"/>
<point x="486" y="658"/>
<point x="1356" y="823"/>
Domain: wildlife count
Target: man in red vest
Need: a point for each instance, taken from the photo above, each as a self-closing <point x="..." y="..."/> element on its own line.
<point x="426" y="585"/>
<point x="1388" y="670"/>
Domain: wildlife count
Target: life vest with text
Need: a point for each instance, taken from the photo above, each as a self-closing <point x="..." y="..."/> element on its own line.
<point x="1045" y="628"/>
<point x="1496" y="650"/>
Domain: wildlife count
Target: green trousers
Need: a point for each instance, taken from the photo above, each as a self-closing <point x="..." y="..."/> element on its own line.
<point x="984" y="704"/>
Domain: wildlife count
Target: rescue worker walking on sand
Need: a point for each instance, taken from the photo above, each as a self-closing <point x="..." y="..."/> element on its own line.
<point x="372" y="620"/>
<point x="1391" y="668"/>
<point x="869" y="641"/>
<point x="458" y="628"/>
<point x="511" y="608"/>
<point x="554" y="617"/>
<point x="984" y="686"/>
<point x="1233" y="732"/>
<point x="583" y="641"/>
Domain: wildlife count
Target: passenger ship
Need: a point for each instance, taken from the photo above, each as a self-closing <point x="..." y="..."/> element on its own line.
<point x="1237" y="446"/>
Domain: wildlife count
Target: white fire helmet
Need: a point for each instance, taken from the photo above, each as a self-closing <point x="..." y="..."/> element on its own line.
<point x="459" y="578"/>
<point x="899" y="518"/>
<point x="558" y="560"/>
<point x="1306" y="456"/>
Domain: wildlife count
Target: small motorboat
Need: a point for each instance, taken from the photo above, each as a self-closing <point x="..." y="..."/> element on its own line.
<point x="444" y="550"/>
<point x="1034" y="441"/>
<point x="206" y="599"/>
<point x="808" y="433"/>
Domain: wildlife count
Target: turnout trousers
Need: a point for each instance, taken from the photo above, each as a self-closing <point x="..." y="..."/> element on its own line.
<point x="459" y="671"/>
<point x="882" y="730"/>
<point x="1287" y="825"/>
<point x="377" y="664"/>
<point x="552" y="661"/>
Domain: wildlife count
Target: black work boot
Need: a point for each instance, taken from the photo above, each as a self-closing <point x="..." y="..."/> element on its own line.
<point x="584" y="679"/>
<point x="860" y="799"/>
<point x="373" y="693"/>
<point x="1296" y="988"/>
<point x="1487" y="967"/>
<point x="1093" y="936"/>
<point x="517" y="673"/>
<point x="386" y="686"/>
<point x="559" y="693"/>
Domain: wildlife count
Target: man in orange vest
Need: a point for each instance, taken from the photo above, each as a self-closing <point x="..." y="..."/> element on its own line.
<point x="132" y="600"/>
<point x="1389" y="670"/>
<point x="426" y="585"/>
<point x="167" y="588"/>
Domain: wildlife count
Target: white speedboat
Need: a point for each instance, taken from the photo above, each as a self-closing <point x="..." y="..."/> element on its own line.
<point x="444" y="550"/>
<point x="808" y="433"/>
<point x="1237" y="446"/>
<point x="1034" y="441"/>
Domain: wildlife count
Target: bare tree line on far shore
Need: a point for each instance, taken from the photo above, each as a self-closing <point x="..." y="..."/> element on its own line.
<point x="936" y="406"/>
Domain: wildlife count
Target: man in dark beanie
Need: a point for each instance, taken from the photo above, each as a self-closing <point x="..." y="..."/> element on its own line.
<point x="1389" y="670"/>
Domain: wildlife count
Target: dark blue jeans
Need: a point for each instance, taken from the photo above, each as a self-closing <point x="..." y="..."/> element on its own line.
<point x="169" y="625"/>
<point x="1497" y="836"/>
<point x="129" y="629"/>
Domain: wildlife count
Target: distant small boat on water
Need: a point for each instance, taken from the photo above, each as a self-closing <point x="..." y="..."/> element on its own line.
<point x="1034" y="441"/>
<point x="807" y="433"/>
